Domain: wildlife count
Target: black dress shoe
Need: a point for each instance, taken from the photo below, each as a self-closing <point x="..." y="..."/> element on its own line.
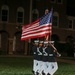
<point x="32" y="71"/>
<point x="43" y="73"/>
<point x="48" y="74"/>
<point x="37" y="73"/>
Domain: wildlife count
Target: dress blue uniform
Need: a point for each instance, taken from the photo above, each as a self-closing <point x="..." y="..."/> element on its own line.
<point x="39" y="58"/>
<point x="45" y="58"/>
<point x="35" y="56"/>
<point x="52" y="63"/>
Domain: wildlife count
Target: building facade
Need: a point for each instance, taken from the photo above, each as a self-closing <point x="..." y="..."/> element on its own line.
<point x="15" y="13"/>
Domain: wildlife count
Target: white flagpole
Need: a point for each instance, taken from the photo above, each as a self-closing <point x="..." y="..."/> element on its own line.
<point x="30" y="15"/>
<point x="46" y="12"/>
<point x="51" y="22"/>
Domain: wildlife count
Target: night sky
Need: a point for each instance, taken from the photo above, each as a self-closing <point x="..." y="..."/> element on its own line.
<point x="71" y="7"/>
<point x="71" y="3"/>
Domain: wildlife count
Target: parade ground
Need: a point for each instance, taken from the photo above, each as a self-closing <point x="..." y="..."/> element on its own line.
<point x="22" y="65"/>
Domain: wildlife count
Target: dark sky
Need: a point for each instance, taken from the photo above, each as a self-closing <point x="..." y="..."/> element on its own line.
<point x="71" y="7"/>
<point x="71" y="3"/>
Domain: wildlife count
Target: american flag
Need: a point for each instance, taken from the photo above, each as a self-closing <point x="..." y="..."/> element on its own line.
<point x="39" y="28"/>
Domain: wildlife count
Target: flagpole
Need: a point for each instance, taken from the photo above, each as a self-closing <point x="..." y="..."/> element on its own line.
<point x="30" y="15"/>
<point x="46" y="37"/>
<point x="52" y="23"/>
<point x="46" y="12"/>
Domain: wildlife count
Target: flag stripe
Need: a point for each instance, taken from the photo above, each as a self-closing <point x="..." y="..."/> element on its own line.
<point x="33" y="37"/>
<point x="36" y="35"/>
<point x="35" y="31"/>
<point x="37" y="27"/>
<point x="31" y="27"/>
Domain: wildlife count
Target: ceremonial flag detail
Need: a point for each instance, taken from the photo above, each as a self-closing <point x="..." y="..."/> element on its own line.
<point x="39" y="28"/>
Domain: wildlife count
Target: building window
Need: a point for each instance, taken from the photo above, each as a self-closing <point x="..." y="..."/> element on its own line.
<point x="55" y="19"/>
<point x="0" y="40"/>
<point x="35" y="14"/>
<point x="53" y="1"/>
<point x="59" y="1"/>
<point x="70" y="24"/>
<point x="4" y="13"/>
<point x="20" y="15"/>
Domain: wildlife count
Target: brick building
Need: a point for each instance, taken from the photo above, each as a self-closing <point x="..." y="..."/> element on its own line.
<point x="15" y="13"/>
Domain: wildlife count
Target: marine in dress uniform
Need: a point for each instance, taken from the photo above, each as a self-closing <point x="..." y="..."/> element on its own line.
<point x="35" y="56"/>
<point x="39" y="59"/>
<point x="45" y="59"/>
<point x="52" y="63"/>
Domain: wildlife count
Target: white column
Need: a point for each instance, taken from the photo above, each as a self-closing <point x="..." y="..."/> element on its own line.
<point x="14" y="43"/>
<point x="10" y="45"/>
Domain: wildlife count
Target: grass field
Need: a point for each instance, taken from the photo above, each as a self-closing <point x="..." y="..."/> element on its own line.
<point x="23" y="66"/>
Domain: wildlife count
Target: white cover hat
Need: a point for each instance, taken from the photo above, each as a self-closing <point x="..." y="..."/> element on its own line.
<point x="51" y="41"/>
<point x="41" y="42"/>
<point x="36" y="41"/>
<point x="46" y="42"/>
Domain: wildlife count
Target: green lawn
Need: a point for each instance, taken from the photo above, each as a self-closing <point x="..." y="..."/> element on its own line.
<point x="23" y="66"/>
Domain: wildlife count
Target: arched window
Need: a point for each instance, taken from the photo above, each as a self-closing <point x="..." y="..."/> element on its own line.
<point x="4" y="42"/>
<point x="20" y="15"/>
<point x="55" y="19"/>
<point x="70" y="22"/>
<point x="18" y="45"/>
<point x="4" y="13"/>
<point x="35" y="14"/>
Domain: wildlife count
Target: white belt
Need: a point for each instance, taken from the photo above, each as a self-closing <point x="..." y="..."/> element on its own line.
<point x="50" y="54"/>
<point x="34" y="52"/>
